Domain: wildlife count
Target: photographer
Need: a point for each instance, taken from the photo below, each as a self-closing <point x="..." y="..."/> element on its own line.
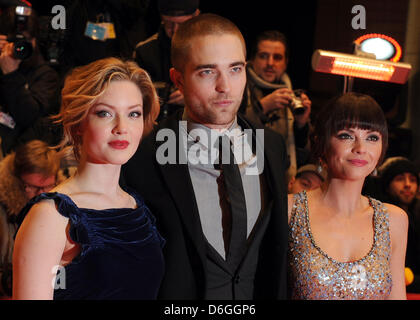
<point x="154" y="53"/>
<point x="28" y="85"/>
<point x="270" y="100"/>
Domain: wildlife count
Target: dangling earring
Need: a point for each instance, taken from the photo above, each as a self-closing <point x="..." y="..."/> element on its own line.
<point x="319" y="167"/>
<point x="374" y="173"/>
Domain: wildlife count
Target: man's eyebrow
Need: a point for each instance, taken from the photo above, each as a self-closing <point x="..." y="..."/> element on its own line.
<point x="213" y="66"/>
<point x="237" y="63"/>
<point x="205" y="66"/>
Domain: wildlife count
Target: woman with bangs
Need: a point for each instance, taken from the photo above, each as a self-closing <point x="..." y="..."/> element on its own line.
<point x="343" y="245"/>
<point x="88" y="238"/>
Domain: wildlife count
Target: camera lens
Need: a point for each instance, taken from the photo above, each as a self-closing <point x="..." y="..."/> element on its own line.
<point x="22" y="49"/>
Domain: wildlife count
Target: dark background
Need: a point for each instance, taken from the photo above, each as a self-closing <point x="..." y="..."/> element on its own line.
<point x="311" y="25"/>
<point x="308" y="25"/>
<point x="295" y="18"/>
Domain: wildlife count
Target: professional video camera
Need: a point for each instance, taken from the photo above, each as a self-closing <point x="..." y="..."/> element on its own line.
<point x="22" y="48"/>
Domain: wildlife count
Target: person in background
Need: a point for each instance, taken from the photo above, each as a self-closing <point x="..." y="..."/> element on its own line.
<point x="28" y="86"/>
<point x="88" y="238"/>
<point x="308" y="177"/>
<point x="343" y="245"/>
<point x="269" y="98"/>
<point x="399" y="178"/>
<point x="216" y="248"/>
<point x="25" y="173"/>
<point x="154" y="53"/>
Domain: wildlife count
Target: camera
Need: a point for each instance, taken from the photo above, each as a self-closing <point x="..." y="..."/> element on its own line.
<point x="22" y="47"/>
<point x="297" y="107"/>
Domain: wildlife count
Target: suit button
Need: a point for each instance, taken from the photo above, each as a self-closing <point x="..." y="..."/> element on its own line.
<point x="237" y="279"/>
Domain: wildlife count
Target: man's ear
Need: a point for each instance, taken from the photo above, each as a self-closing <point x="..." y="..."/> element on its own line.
<point x="176" y="78"/>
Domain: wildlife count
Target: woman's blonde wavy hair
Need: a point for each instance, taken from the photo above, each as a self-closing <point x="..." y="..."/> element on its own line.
<point x="86" y="84"/>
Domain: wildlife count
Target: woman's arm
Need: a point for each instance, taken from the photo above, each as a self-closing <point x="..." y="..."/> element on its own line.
<point x="39" y="246"/>
<point x="398" y="225"/>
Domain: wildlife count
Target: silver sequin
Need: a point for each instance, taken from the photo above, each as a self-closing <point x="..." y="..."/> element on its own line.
<point x="314" y="275"/>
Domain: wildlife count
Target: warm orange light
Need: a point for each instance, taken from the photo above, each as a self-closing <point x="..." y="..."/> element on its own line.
<point x="360" y="67"/>
<point x="398" y="50"/>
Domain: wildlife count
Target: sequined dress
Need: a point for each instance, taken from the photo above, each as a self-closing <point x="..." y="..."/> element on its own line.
<point x="313" y="275"/>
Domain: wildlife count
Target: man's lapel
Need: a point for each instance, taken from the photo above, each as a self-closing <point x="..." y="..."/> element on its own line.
<point x="178" y="181"/>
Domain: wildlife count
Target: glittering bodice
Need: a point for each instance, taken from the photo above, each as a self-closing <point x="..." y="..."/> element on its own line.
<point x="313" y="275"/>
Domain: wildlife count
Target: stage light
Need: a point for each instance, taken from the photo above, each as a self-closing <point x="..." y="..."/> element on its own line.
<point x="359" y="67"/>
<point x="384" y="47"/>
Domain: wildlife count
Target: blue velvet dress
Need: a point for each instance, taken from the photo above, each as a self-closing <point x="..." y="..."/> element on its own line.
<point x="120" y="252"/>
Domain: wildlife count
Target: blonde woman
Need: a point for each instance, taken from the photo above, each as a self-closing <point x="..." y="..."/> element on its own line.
<point x="88" y="238"/>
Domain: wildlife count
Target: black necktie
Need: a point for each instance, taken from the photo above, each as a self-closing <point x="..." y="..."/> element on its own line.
<point x="236" y="198"/>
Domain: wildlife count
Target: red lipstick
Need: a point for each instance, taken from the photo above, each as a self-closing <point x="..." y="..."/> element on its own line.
<point x="358" y="162"/>
<point x="119" y="144"/>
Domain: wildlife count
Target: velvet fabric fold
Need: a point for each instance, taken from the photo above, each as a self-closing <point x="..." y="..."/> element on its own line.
<point x="120" y="251"/>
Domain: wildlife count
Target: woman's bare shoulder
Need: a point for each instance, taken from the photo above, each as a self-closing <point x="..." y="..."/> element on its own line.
<point x="43" y="225"/>
<point x="398" y="218"/>
<point x="44" y="211"/>
<point x="395" y="211"/>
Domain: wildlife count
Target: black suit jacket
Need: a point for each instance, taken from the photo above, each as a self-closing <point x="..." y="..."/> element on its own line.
<point x="168" y="191"/>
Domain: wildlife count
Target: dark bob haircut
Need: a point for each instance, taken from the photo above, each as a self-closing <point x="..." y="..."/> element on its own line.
<point x="349" y="110"/>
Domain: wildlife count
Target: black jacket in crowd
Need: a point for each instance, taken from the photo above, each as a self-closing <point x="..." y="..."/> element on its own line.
<point x="412" y="258"/>
<point x="154" y="55"/>
<point x="29" y="95"/>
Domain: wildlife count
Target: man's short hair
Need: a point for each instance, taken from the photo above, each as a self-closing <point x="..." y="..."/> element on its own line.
<point x="202" y="25"/>
<point x="270" y="35"/>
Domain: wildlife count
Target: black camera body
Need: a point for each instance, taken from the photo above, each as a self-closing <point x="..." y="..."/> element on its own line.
<point x="22" y="48"/>
<point x="16" y="28"/>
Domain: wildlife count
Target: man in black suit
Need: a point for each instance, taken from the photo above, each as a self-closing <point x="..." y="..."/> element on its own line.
<point x="225" y="240"/>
